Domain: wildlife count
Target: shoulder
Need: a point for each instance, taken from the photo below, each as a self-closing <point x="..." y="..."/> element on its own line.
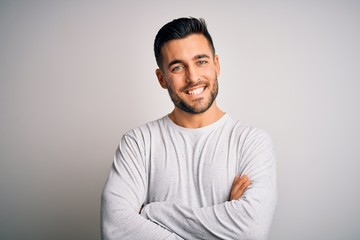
<point x="146" y="130"/>
<point x="248" y="134"/>
<point x="137" y="139"/>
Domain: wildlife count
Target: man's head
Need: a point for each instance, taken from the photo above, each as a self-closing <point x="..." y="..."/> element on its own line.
<point x="177" y="29"/>
<point x="188" y="66"/>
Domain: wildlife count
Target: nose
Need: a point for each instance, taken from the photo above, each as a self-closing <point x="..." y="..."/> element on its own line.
<point x="192" y="75"/>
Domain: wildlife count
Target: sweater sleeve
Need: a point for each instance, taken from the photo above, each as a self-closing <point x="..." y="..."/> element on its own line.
<point x="249" y="217"/>
<point x="123" y="196"/>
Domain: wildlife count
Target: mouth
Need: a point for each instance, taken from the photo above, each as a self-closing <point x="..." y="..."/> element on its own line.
<point x="195" y="91"/>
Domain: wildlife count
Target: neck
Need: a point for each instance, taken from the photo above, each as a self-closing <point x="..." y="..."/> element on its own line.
<point x="189" y="120"/>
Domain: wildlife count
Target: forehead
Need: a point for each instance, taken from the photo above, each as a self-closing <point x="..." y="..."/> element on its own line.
<point x="186" y="48"/>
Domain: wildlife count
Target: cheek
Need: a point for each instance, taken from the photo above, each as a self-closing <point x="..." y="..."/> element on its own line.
<point x="175" y="81"/>
<point x="209" y="72"/>
<point x="170" y="84"/>
<point x="168" y="80"/>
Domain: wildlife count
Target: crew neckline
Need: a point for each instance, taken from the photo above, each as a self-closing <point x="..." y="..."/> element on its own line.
<point x="200" y="129"/>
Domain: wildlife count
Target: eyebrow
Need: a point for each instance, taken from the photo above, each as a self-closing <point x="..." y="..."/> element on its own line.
<point x="201" y="56"/>
<point x="176" y="61"/>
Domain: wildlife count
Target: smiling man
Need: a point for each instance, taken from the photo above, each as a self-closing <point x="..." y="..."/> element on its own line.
<point x="195" y="173"/>
<point x="189" y="70"/>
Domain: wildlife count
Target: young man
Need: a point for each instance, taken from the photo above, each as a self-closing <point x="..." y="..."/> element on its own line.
<point x="195" y="173"/>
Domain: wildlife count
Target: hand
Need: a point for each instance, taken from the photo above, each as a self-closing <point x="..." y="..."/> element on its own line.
<point x="239" y="186"/>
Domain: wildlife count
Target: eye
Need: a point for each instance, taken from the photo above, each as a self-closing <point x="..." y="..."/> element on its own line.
<point x="177" y="68"/>
<point x="201" y="62"/>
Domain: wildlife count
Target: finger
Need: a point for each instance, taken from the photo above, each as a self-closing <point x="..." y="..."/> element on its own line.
<point x="236" y="179"/>
<point x="239" y="186"/>
<point x="232" y="190"/>
<point x="237" y="190"/>
<point x="236" y="195"/>
<point x="240" y="191"/>
<point x="238" y="182"/>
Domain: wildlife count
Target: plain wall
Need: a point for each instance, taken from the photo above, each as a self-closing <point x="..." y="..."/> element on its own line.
<point x="75" y="75"/>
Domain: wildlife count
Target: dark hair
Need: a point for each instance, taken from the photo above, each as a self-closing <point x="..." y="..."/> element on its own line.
<point x="177" y="29"/>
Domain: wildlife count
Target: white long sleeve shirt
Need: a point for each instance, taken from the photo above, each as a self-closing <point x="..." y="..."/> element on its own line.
<point x="182" y="177"/>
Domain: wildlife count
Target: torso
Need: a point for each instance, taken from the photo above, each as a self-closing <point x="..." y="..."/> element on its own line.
<point x="191" y="166"/>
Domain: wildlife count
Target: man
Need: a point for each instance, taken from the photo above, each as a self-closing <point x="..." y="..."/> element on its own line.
<point x="195" y="173"/>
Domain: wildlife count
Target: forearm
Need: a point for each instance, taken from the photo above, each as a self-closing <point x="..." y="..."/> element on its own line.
<point x="120" y="221"/>
<point x="122" y="197"/>
<point x="249" y="217"/>
<point x="237" y="219"/>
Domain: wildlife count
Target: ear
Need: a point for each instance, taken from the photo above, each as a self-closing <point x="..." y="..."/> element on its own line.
<point x="217" y="65"/>
<point x="161" y="78"/>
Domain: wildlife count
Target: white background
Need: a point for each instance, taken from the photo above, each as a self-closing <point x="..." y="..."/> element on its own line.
<point x="75" y="75"/>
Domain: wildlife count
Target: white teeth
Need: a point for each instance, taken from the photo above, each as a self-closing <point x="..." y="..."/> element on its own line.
<point x="196" y="91"/>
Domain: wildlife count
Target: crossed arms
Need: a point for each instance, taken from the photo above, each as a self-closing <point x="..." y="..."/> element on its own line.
<point x="247" y="215"/>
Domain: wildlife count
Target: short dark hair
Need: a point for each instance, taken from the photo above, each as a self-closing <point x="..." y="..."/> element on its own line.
<point x="177" y="29"/>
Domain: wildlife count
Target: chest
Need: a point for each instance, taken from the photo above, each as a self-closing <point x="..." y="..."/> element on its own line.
<point x="191" y="170"/>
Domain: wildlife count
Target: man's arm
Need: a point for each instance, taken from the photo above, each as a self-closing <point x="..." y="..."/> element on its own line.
<point x="123" y="196"/>
<point x="249" y="217"/>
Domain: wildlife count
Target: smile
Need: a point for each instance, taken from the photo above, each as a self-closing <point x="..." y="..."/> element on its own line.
<point x="196" y="91"/>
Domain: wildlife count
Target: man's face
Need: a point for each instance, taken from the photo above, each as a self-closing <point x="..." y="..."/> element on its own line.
<point x="189" y="72"/>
